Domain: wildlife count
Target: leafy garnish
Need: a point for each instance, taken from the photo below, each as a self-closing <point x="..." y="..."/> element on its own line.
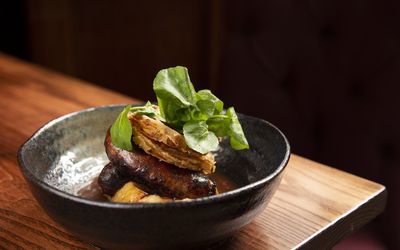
<point x="121" y="130"/>
<point x="148" y="110"/>
<point x="175" y="94"/>
<point x="200" y="116"/>
<point x="208" y="103"/>
<point x="219" y="124"/>
<point x="198" y="137"/>
<point x="189" y="111"/>
<point x="237" y="139"/>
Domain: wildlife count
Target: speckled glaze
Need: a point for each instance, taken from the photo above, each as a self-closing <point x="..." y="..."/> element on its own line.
<point x="66" y="153"/>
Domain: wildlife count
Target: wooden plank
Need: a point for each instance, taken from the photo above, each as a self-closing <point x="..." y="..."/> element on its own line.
<point x="314" y="207"/>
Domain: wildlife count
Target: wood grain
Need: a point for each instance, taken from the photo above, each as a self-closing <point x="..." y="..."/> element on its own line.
<point x="314" y="207"/>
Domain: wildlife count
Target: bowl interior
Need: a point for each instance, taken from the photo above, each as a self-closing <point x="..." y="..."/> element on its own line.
<point x="68" y="152"/>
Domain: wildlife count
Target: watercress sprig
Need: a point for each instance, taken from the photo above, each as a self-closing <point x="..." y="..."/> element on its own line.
<point x="200" y="116"/>
<point x="121" y="130"/>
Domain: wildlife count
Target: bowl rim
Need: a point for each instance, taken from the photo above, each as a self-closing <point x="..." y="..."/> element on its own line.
<point x="174" y="204"/>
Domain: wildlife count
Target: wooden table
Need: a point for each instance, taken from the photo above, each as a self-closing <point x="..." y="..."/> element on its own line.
<point x="315" y="205"/>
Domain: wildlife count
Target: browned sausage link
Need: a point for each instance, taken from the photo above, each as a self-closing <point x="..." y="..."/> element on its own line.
<point x="110" y="179"/>
<point x="158" y="177"/>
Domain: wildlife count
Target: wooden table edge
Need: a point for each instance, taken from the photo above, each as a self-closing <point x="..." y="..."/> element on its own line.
<point x="325" y="237"/>
<point x="368" y="210"/>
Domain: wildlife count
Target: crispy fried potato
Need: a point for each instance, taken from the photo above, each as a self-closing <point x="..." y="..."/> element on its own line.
<point x="154" y="199"/>
<point x="128" y="193"/>
<point x="131" y="193"/>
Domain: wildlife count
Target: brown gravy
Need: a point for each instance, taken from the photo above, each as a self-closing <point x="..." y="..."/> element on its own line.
<point x="224" y="184"/>
<point x="92" y="191"/>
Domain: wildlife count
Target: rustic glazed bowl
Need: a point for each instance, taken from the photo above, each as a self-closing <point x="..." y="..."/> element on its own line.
<point x="65" y="154"/>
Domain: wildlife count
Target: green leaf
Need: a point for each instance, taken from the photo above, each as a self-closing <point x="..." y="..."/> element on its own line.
<point x="199" y="138"/>
<point x="198" y="115"/>
<point x="148" y="110"/>
<point x="220" y="125"/>
<point x="208" y="103"/>
<point x="121" y="130"/>
<point x="183" y="114"/>
<point x="174" y="91"/>
<point x="237" y="138"/>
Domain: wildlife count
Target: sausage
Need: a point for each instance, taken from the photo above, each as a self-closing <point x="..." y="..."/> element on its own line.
<point x="156" y="176"/>
<point x="111" y="180"/>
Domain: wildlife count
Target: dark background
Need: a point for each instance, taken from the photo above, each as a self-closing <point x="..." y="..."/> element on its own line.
<point x="326" y="72"/>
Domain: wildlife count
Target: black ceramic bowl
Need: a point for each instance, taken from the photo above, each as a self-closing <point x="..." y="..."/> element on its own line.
<point x="67" y="152"/>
